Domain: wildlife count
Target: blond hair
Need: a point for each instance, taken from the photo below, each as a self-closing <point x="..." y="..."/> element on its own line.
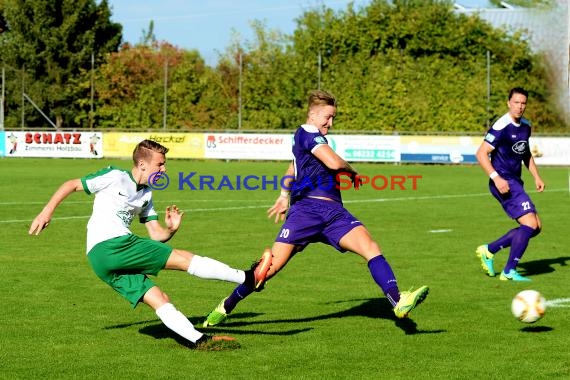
<point x="320" y="98"/>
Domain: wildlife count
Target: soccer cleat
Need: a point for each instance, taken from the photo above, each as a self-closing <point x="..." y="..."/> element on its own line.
<point x="255" y="277"/>
<point x="487" y="258"/>
<point x="513" y="275"/>
<point x="215" y="343"/>
<point x="409" y="300"/>
<point x="217" y="316"/>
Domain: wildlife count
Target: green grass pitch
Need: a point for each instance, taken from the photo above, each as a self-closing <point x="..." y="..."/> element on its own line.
<point x="321" y="318"/>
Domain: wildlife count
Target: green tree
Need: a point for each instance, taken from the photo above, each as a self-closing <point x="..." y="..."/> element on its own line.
<point x="52" y="42"/>
<point x="396" y="66"/>
<point x="3" y="23"/>
<point x="271" y="81"/>
<point x="411" y="65"/>
<point x="131" y="87"/>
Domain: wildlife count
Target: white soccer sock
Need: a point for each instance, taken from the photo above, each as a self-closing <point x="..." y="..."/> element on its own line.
<point x="207" y="268"/>
<point x="177" y="322"/>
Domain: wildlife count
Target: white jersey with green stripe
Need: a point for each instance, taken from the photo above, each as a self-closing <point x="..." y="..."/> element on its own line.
<point x="118" y="199"/>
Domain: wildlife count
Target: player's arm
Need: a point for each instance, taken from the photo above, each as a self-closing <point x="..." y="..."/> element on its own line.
<point x="331" y="160"/>
<point x="44" y="217"/>
<point x="482" y="156"/>
<point x="172" y="221"/>
<point x="281" y="205"/>
<point x="533" y="170"/>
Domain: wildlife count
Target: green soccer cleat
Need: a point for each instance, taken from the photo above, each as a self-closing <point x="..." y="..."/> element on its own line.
<point x="409" y="300"/>
<point x="513" y="275"/>
<point x="487" y="258"/>
<point x="217" y="316"/>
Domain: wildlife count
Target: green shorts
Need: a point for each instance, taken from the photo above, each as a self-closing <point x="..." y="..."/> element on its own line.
<point x="125" y="261"/>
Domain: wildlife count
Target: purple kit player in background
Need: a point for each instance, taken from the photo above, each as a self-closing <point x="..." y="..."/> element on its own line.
<point x="507" y="144"/>
<point x="316" y="213"/>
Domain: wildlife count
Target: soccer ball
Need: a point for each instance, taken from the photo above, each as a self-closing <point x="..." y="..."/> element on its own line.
<point x="528" y="306"/>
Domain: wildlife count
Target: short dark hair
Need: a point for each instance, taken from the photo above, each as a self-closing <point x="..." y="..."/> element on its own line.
<point x="144" y="149"/>
<point x="518" y="90"/>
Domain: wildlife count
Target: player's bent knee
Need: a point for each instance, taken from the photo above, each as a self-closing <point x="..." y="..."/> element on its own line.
<point x="536" y="232"/>
<point x="155" y="298"/>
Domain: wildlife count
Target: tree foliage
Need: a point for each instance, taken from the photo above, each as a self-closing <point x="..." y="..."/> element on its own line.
<point x="413" y="66"/>
<point x="131" y="87"/>
<point x="395" y="66"/>
<point x="51" y="42"/>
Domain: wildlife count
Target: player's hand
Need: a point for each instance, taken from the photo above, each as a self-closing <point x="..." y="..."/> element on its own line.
<point x="279" y="209"/>
<point x="173" y="218"/>
<point x="539" y="184"/>
<point x="502" y="185"/>
<point x="39" y="223"/>
<point x="356" y="181"/>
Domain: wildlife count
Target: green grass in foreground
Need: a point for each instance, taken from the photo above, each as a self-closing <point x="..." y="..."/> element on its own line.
<point x="322" y="317"/>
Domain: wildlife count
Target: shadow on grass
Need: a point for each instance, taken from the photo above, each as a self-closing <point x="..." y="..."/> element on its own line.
<point x="371" y="308"/>
<point x="160" y="331"/>
<point x="536" y="329"/>
<point x="537" y="267"/>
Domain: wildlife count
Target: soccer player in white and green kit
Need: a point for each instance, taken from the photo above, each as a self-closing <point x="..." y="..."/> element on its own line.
<point x="124" y="260"/>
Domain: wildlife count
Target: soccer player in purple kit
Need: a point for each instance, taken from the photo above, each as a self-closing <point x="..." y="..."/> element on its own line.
<point x="501" y="155"/>
<point x="316" y="213"/>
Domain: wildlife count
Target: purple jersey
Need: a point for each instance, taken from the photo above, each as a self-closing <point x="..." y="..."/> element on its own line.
<point x="312" y="177"/>
<point x="510" y="141"/>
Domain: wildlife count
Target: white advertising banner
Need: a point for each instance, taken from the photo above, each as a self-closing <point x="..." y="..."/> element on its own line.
<point x="258" y="146"/>
<point x="54" y="144"/>
<point x="279" y="146"/>
<point x="440" y="149"/>
<point x="370" y="148"/>
<point x="550" y="150"/>
<point x="248" y="146"/>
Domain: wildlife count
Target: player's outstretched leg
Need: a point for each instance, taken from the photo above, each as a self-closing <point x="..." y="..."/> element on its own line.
<point x="486" y="260"/>
<point x="254" y="281"/>
<point x="409" y="300"/>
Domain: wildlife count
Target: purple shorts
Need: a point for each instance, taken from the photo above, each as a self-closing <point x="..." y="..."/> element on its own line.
<point x="313" y="220"/>
<point x="516" y="202"/>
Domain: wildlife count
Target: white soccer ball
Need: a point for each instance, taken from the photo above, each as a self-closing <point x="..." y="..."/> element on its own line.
<point x="528" y="306"/>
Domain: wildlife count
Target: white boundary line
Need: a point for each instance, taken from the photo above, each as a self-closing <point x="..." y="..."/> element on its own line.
<point x="399" y="199"/>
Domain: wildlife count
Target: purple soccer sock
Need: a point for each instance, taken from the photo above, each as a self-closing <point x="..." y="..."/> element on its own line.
<point x="382" y="273"/>
<point x="240" y="292"/>
<point x="502" y="242"/>
<point x="518" y="246"/>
